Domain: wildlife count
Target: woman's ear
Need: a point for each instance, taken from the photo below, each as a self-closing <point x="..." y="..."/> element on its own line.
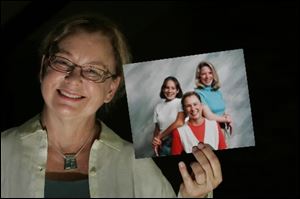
<point x="113" y="87"/>
<point x="42" y="71"/>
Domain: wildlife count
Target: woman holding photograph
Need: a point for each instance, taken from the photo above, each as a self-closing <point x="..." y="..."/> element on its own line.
<point x="65" y="150"/>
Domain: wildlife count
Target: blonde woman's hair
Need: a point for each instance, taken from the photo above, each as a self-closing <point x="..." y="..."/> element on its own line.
<point x="215" y="83"/>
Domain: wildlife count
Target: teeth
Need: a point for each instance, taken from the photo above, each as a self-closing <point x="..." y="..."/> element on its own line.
<point x="70" y="95"/>
<point x="194" y="113"/>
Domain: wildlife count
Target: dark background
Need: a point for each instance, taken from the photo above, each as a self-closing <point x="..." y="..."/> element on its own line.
<point x="268" y="33"/>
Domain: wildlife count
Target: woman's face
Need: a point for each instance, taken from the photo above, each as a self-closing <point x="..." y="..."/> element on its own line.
<point x="170" y="91"/>
<point x="193" y="107"/>
<point x="71" y="95"/>
<point x="206" y="76"/>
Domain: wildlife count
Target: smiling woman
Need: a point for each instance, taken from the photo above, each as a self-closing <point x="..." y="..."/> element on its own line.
<point x="58" y="86"/>
<point x="197" y="128"/>
<point x="66" y="151"/>
<point x="207" y="87"/>
<point x="165" y="114"/>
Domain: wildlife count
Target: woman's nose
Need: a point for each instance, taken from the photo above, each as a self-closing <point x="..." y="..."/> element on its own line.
<point x="74" y="75"/>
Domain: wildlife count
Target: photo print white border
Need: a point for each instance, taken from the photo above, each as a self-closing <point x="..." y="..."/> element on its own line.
<point x="143" y="82"/>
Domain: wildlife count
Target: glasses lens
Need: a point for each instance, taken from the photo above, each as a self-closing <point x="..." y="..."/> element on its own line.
<point x="93" y="74"/>
<point x="61" y="64"/>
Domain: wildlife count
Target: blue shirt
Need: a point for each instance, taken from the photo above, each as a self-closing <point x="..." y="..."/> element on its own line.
<point x="213" y="99"/>
<point x="66" y="189"/>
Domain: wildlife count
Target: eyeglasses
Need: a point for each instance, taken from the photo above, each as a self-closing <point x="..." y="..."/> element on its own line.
<point x="91" y="73"/>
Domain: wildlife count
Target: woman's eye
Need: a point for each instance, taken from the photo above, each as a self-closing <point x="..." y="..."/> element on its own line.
<point x="63" y="63"/>
<point x="92" y="72"/>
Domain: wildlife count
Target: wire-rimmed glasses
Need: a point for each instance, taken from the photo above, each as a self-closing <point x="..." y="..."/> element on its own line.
<point x="90" y="73"/>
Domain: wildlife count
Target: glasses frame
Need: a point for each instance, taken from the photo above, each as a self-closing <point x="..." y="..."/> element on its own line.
<point x="106" y="73"/>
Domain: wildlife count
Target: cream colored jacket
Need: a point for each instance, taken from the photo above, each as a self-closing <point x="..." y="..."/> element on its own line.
<point x="113" y="169"/>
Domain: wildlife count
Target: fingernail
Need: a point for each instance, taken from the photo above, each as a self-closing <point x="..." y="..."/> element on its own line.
<point x="181" y="164"/>
<point x="194" y="149"/>
<point x="201" y="145"/>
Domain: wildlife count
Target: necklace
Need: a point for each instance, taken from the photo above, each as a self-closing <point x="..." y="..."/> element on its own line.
<point x="70" y="161"/>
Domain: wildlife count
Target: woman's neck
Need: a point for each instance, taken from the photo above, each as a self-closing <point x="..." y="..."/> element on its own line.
<point x="196" y="122"/>
<point x="169" y="100"/>
<point x="68" y="133"/>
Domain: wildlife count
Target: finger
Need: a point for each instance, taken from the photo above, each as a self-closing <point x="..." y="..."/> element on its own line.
<point x="199" y="173"/>
<point x="154" y="143"/>
<point x="157" y="140"/>
<point x="203" y="160"/>
<point x="187" y="180"/>
<point x="156" y="151"/>
<point x="213" y="161"/>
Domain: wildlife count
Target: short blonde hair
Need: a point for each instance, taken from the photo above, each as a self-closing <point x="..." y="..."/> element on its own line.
<point x="215" y="84"/>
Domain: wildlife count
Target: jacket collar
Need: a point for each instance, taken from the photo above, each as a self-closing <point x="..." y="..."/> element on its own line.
<point x="31" y="127"/>
<point x="110" y="138"/>
<point x="107" y="136"/>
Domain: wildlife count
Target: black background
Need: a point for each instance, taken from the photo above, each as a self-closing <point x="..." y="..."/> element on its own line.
<point x="268" y="33"/>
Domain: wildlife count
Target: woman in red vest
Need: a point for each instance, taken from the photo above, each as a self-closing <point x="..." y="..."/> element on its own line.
<point x="197" y="128"/>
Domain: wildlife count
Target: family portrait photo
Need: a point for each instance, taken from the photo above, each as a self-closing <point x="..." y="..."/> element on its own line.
<point x="155" y="110"/>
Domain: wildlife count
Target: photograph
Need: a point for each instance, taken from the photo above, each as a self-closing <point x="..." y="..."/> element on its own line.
<point x="161" y="123"/>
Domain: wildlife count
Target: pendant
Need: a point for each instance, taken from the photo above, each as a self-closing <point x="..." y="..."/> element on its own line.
<point x="70" y="161"/>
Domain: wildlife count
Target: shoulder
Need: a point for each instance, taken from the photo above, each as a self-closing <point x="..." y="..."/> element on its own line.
<point x="9" y="136"/>
<point x="219" y="93"/>
<point x="12" y="139"/>
<point x="109" y="138"/>
<point x="159" y="105"/>
<point x="207" y="121"/>
<point x="210" y="123"/>
<point x="177" y="100"/>
<point x="199" y="91"/>
<point x="177" y="103"/>
<point x="181" y="127"/>
<point x="23" y="130"/>
<point x="175" y="132"/>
